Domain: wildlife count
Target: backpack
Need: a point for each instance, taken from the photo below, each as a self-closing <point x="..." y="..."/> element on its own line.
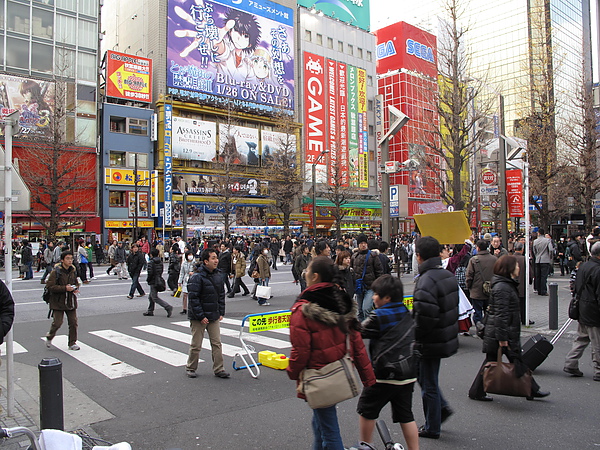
<point x="396" y="359"/>
<point x="252" y="267"/>
<point x="46" y="294"/>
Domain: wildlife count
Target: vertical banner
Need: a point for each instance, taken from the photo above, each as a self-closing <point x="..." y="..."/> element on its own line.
<point x="514" y="193"/>
<point x="378" y="136"/>
<point x="363" y="140"/>
<point x="154" y="193"/>
<point x="168" y="167"/>
<point x="332" y="121"/>
<point x="342" y="103"/>
<point x="353" y="164"/>
<point x="314" y="116"/>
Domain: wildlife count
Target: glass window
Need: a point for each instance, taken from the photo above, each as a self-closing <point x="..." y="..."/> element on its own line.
<point x="142" y="160"/>
<point x="117" y="198"/>
<point x="64" y="63"/>
<point x="66" y="29"/>
<point x="88" y="7"/>
<point x="369" y="80"/>
<point x="86" y="131"/>
<point x="369" y="56"/>
<point x="329" y="42"/>
<point x="307" y="35"/>
<point x="370" y="105"/>
<point x="41" y="58"/>
<point x="117" y="159"/>
<point x="86" y="100"/>
<point x="340" y="46"/>
<point x="319" y="39"/>
<point x="17" y="17"/>
<point x="86" y="66"/>
<point x="371" y="130"/>
<point x="137" y="126"/>
<point x="118" y="124"/>
<point x="17" y="53"/>
<point x="359" y="52"/>
<point x="70" y="5"/>
<point x="88" y="36"/>
<point x="1" y="15"/>
<point x="350" y="49"/>
<point x="42" y="23"/>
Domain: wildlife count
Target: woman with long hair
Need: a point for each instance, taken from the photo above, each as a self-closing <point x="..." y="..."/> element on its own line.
<point x="321" y="319"/>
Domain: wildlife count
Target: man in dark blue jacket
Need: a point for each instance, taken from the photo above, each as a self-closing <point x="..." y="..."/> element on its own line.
<point x="435" y="309"/>
<point x="206" y="308"/>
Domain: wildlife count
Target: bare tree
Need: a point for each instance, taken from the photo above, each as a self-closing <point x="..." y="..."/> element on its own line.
<point x="338" y="192"/>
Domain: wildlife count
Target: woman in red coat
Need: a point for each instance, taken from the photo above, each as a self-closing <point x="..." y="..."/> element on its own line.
<point x="321" y="317"/>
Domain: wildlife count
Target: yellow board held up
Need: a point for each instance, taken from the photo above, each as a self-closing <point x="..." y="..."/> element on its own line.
<point x="447" y="227"/>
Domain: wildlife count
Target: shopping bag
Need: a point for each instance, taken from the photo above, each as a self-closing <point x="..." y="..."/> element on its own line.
<point x="263" y="291"/>
<point x="177" y="292"/>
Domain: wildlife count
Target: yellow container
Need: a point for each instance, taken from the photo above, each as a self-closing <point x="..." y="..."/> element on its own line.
<point x="273" y="360"/>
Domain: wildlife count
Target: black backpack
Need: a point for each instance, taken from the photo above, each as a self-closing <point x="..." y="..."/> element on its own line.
<point x="46" y="294"/>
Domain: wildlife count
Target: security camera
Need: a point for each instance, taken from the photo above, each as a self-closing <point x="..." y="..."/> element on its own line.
<point x="411" y="164"/>
<point x="133" y="17"/>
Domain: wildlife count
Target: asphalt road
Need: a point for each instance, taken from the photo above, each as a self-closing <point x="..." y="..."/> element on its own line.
<point x="157" y="407"/>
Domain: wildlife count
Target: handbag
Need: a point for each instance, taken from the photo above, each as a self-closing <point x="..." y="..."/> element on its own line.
<point x="359" y="285"/>
<point x="161" y="285"/>
<point x="177" y="292"/>
<point x="574" y="308"/>
<point x="500" y="378"/>
<point x="263" y="291"/>
<point x="331" y="384"/>
<point x="84" y="260"/>
<point x="255" y="274"/>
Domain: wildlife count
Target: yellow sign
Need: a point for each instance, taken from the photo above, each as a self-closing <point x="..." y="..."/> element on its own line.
<point x="408" y="302"/>
<point x="128" y="224"/>
<point x="266" y="322"/>
<point x="447" y="227"/>
<point x="126" y="177"/>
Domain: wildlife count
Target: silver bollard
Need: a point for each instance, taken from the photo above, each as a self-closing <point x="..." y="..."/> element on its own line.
<point x="553" y="306"/>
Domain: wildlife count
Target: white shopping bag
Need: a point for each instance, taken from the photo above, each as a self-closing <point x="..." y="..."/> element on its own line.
<point x="263" y="291"/>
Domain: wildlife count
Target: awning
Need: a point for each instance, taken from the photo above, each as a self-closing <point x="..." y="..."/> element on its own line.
<point x="369" y="204"/>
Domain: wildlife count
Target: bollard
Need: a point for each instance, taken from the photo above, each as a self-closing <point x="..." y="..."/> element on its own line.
<point x="553" y="306"/>
<point x="51" y="394"/>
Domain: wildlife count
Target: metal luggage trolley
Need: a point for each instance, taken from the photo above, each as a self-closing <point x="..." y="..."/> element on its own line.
<point x="258" y="322"/>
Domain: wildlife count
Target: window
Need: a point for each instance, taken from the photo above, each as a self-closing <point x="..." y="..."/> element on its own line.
<point x="359" y="52"/>
<point x="41" y="58"/>
<point x="88" y="7"/>
<point x="66" y="29"/>
<point x="369" y="56"/>
<point x="370" y="105"/>
<point x="86" y="66"/>
<point x="117" y="198"/>
<point x="319" y="39"/>
<point x="142" y="160"/>
<point x="17" y="53"/>
<point x="369" y="80"/>
<point x="307" y="35"/>
<point x="350" y="49"/>
<point x="127" y="159"/>
<point x="329" y="42"/>
<point x="117" y="159"/>
<point x="64" y="63"/>
<point x="88" y="34"/>
<point x="128" y="125"/>
<point x="371" y="130"/>
<point x="340" y="46"/>
<point x="70" y="5"/>
<point x="17" y="17"/>
<point x="42" y="23"/>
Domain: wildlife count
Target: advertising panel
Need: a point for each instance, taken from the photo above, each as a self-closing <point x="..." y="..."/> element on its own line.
<point x="363" y="136"/>
<point x="168" y="166"/>
<point x="354" y="12"/>
<point x="378" y="135"/>
<point x="314" y="115"/>
<point x="403" y="46"/>
<point x="332" y="121"/>
<point x="239" y="144"/>
<point x="514" y="193"/>
<point x="194" y="139"/>
<point x="203" y="184"/>
<point x="128" y="77"/>
<point x="143" y="204"/>
<point x="238" y="52"/>
<point x="34" y="99"/>
<point x="276" y="145"/>
<point x="353" y="155"/>
<point x="342" y="102"/>
<point x="154" y="194"/>
<point x="126" y="177"/>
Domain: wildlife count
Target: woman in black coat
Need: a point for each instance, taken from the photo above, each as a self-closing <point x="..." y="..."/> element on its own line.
<point x="503" y="325"/>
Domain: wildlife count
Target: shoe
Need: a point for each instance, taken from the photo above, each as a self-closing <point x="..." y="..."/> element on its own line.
<point x="222" y="374"/>
<point x="245" y="294"/>
<point x="596" y="377"/>
<point x="191" y="373"/>
<point x="182" y="312"/>
<point x="86" y="282"/>
<point x="230" y="296"/>
<point x="485" y="398"/>
<point x="120" y="278"/>
<point x="42" y="281"/>
<point x="538" y="394"/>
<point x="264" y="304"/>
<point x="428" y="434"/>
<point x="573" y="372"/>
<point x="94" y="278"/>
<point x="169" y="311"/>
<point x="74" y="347"/>
<point x="142" y="294"/>
<point x="108" y="272"/>
<point x="130" y="297"/>
<point x="531" y="322"/>
<point x="446" y="413"/>
<point x="125" y="278"/>
<point x="148" y="313"/>
<point x="48" y="342"/>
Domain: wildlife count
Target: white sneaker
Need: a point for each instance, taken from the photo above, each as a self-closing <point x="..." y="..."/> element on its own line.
<point x="94" y="278"/>
<point x="265" y="304"/>
<point x="74" y="347"/>
<point x="48" y="342"/>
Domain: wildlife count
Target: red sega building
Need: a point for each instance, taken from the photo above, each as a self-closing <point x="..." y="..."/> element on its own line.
<point x="407" y="79"/>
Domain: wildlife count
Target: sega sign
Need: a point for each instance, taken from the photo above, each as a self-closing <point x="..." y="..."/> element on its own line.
<point x="404" y="46"/>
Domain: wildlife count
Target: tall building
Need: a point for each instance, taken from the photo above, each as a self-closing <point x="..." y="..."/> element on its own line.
<point x="48" y="69"/>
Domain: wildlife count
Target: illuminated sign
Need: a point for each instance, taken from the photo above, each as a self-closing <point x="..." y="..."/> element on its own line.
<point x="128" y="77"/>
<point x="126" y="177"/>
<point x="168" y="166"/>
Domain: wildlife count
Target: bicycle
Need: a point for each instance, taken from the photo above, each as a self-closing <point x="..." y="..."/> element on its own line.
<point x="384" y="432"/>
<point x="87" y="442"/>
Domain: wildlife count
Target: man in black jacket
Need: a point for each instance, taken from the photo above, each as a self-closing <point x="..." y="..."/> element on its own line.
<point x="587" y="289"/>
<point x="135" y="262"/>
<point x="435" y="310"/>
<point x="364" y="296"/>
<point x="155" y="270"/>
<point x="206" y="308"/>
<point x="225" y="265"/>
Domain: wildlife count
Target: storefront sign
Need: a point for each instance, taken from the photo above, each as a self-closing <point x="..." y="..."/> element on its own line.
<point x="270" y="321"/>
<point x="342" y="103"/>
<point x="231" y="51"/>
<point x="194" y="139"/>
<point x="353" y="151"/>
<point x="514" y="193"/>
<point x="128" y="224"/>
<point x="128" y="77"/>
<point x="363" y="136"/>
<point x="126" y="177"/>
<point x="203" y="184"/>
<point x="332" y="121"/>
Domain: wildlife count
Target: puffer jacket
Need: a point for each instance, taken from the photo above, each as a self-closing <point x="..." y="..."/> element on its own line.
<point x="587" y="285"/>
<point x="239" y="268"/>
<point x="316" y="336"/>
<point x="263" y="266"/>
<point x="60" y="298"/>
<point x="503" y="321"/>
<point x="374" y="269"/>
<point x="155" y="270"/>
<point x="135" y="262"/>
<point x="346" y="278"/>
<point x="7" y="311"/>
<point x="435" y="310"/>
<point x="206" y="295"/>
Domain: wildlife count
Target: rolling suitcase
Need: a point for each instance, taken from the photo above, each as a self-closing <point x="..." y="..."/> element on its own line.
<point x="537" y="348"/>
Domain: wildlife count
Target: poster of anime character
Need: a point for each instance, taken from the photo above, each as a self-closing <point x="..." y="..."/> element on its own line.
<point x="417" y="178"/>
<point x="278" y="146"/>
<point x="34" y="99"/>
<point x="239" y="51"/>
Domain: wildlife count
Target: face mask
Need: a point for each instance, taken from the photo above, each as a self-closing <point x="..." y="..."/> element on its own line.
<point x="190" y="258"/>
<point x="265" y="252"/>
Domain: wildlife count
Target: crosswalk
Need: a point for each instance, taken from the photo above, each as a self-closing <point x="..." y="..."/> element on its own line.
<point x="142" y="340"/>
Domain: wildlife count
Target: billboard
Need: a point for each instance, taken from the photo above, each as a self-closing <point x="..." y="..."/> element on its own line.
<point x="231" y="51"/>
<point x="239" y="144"/>
<point x="34" y="99"/>
<point x="403" y="46"/>
<point x="128" y="77"/>
<point x="278" y="145"/>
<point x="168" y="166"/>
<point x="194" y="139"/>
<point x="205" y="184"/>
<point x="354" y="12"/>
<point x="342" y="105"/>
<point x="314" y="115"/>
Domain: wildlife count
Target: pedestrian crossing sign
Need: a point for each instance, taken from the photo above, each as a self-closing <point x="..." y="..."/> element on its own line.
<point x="269" y="321"/>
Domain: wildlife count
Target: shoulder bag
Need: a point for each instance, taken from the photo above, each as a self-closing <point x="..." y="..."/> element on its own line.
<point x="161" y="285"/>
<point x="331" y="384"/>
<point x="500" y="378"/>
<point x="486" y="286"/>
<point x="359" y="285"/>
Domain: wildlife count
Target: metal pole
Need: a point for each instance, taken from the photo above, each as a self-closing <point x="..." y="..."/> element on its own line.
<point x="502" y="175"/>
<point x="314" y="199"/>
<point x="527" y="228"/>
<point x="185" y="215"/>
<point x="135" y="190"/>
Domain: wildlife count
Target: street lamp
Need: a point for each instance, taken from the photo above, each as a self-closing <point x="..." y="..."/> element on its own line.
<point x="314" y="192"/>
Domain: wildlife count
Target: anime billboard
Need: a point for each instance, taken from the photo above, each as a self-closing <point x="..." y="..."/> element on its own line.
<point x="34" y="99"/>
<point x="231" y="51"/>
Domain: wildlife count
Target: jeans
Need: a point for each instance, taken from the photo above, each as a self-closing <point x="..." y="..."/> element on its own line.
<point x="433" y="400"/>
<point x="585" y="335"/>
<point x="135" y="284"/>
<point x="227" y="283"/>
<point x="365" y="304"/>
<point x="288" y="258"/>
<point x="29" y="272"/>
<point x="479" y="305"/>
<point x="49" y="268"/>
<point x="326" y="429"/>
<point x="541" y="278"/>
<point x="214" y="334"/>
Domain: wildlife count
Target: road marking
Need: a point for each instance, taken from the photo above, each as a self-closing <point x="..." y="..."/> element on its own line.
<point x="158" y="352"/>
<point x="17" y="348"/>
<point x="95" y="359"/>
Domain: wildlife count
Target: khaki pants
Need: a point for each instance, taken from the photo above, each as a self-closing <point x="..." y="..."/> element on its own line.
<point x="585" y="336"/>
<point x="58" y="321"/>
<point x="214" y="334"/>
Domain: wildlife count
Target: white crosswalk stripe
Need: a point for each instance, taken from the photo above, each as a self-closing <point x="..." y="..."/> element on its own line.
<point x="158" y="352"/>
<point x="17" y="348"/>
<point x="95" y="359"/>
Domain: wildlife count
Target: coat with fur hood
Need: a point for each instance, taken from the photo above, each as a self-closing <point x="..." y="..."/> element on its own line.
<point x="320" y="318"/>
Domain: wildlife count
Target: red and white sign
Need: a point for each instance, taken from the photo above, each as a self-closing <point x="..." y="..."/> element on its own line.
<point x="342" y="104"/>
<point x="332" y="119"/>
<point x="514" y="193"/>
<point x="128" y="77"/>
<point x="314" y="113"/>
<point x="489" y="177"/>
